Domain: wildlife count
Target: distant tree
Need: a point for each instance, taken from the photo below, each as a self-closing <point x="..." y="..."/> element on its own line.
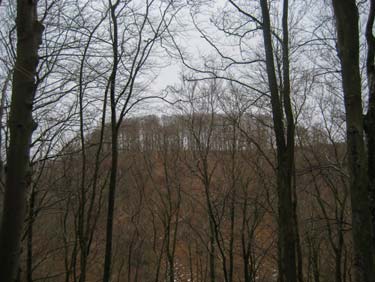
<point x="201" y="120"/>
<point x="274" y="94"/>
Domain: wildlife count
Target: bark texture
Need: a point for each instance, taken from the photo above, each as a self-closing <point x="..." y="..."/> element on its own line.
<point x="21" y="125"/>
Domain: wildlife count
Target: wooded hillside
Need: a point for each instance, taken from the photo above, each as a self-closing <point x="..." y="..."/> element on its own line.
<point x="197" y="141"/>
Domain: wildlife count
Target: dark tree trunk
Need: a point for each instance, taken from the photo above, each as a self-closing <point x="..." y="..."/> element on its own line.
<point x="346" y="14"/>
<point x="114" y="152"/>
<point x="21" y="125"/>
<point x="285" y="147"/>
<point x="30" y="233"/>
<point x="370" y="116"/>
<point x="212" y="253"/>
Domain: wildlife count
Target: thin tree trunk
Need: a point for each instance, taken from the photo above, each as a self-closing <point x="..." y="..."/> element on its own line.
<point x="114" y="152"/>
<point x="190" y="264"/>
<point x="299" y="255"/>
<point x="212" y="252"/>
<point x="21" y="125"/>
<point x="2" y="105"/>
<point x="315" y="263"/>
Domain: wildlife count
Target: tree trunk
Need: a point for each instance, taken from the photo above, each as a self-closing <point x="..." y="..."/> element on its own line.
<point x="30" y="235"/>
<point x="346" y="14"/>
<point x="2" y="105"/>
<point x="285" y="148"/>
<point x="370" y="116"/>
<point x="114" y="151"/>
<point x="21" y="125"/>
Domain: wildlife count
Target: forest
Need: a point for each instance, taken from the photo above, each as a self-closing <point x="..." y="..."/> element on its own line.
<point x="187" y="141"/>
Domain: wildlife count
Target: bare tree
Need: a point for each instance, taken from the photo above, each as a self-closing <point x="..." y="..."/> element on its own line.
<point x="145" y="31"/>
<point x="21" y="124"/>
<point x="284" y="134"/>
<point x="346" y="14"/>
